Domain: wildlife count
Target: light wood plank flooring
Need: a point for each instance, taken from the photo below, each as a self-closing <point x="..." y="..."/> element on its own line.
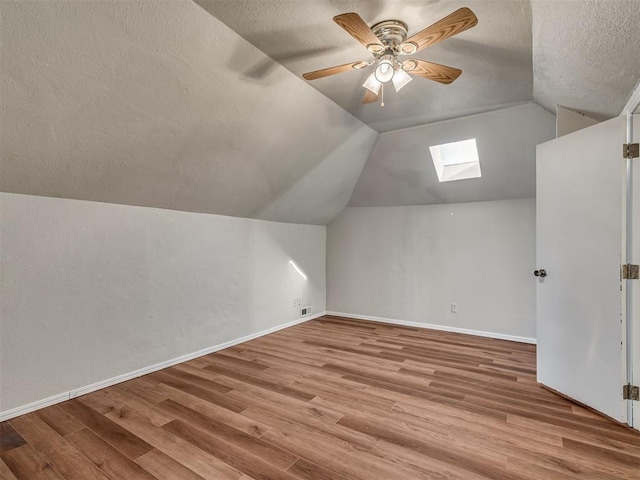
<point x="330" y="399"/>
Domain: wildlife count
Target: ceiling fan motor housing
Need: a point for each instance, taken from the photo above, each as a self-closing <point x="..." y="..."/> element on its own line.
<point x="391" y="32"/>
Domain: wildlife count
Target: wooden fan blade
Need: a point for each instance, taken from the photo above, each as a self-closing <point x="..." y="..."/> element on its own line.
<point x="369" y="96"/>
<point x="358" y="29"/>
<point x="459" y="21"/>
<point x="326" y="72"/>
<point x="431" y="71"/>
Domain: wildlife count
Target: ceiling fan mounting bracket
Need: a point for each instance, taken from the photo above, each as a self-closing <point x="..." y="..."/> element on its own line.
<point x="390" y="32"/>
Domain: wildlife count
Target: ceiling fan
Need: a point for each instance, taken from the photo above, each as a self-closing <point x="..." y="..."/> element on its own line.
<point x="387" y="41"/>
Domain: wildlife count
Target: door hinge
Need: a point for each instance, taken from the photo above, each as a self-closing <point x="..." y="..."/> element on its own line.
<point x="630" y="150"/>
<point x="630" y="272"/>
<point x="631" y="392"/>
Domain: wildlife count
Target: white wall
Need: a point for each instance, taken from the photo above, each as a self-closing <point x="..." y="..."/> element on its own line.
<point x="411" y="263"/>
<point x="90" y="290"/>
<point x="569" y="121"/>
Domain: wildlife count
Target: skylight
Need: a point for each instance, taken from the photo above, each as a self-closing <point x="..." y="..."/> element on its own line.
<point x="456" y="161"/>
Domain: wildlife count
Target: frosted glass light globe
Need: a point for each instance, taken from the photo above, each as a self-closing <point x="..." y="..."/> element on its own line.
<point x="384" y="71"/>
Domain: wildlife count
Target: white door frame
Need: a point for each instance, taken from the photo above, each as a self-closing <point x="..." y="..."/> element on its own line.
<point x="632" y="251"/>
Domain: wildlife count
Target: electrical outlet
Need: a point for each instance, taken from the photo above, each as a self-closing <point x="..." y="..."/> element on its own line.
<point x="454" y="308"/>
<point x="295" y="301"/>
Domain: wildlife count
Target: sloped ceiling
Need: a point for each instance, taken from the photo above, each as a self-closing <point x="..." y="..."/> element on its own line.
<point x="585" y="53"/>
<point x="581" y="54"/>
<point x="495" y="55"/>
<point x="148" y="103"/>
<point x="400" y="169"/>
<point x="200" y="106"/>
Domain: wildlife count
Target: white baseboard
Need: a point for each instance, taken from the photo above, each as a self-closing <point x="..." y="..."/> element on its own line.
<point x="61" y="397"/>
<point x="30" y="407"/>
<point x="405" y="323"/>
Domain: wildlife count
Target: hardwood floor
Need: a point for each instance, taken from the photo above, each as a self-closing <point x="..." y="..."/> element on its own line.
<point x="330" y="399"/>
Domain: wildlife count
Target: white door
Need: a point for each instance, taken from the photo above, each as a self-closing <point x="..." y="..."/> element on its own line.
<point x="580" y="188"/>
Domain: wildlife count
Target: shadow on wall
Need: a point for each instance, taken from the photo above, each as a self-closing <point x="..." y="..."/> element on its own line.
<point x="323" y="191"/>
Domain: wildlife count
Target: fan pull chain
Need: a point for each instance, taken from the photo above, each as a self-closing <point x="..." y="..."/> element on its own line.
<point x="382" y="95"/>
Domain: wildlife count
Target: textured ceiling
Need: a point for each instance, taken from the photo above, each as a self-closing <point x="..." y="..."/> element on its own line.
<point x="400" y="170"/>
<point x="586" y="54"/>
<point x="161" y="104"/>
<point x="137" y="103"/>
<point x="495" y="55"/>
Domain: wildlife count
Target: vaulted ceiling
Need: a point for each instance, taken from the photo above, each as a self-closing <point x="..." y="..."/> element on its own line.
<point x="582" y="54"/>
<point x="147" y="103"/>
<point x="495" y="55"/>
<point x="400" y="171"/>
<point x="201" y="107"/>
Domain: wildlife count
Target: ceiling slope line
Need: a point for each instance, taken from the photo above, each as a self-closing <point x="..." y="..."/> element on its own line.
<point x="494" y="108"/>
<point x="200" y="4"/>
<point x="335" y="176"/>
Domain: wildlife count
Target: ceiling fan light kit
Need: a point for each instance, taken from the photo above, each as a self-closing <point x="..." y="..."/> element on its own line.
<point x="387" y="40"/>
<point x="384" y="70"/>
<point x="400" y="79"/>
<point x="372" y="84"/>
